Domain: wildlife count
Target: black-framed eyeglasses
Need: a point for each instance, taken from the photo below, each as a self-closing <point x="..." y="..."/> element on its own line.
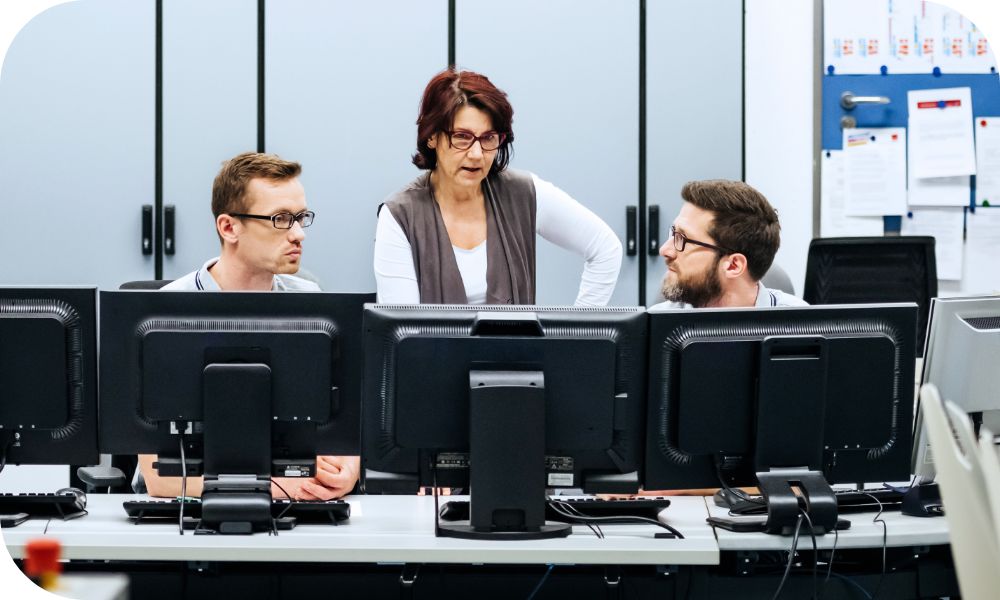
<point x="283" y="220"/>
<point x="681" y="240"/>
<point x="463" y="140"/>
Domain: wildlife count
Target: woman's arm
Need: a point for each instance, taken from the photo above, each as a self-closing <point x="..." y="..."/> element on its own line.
<point x="395" y="276"/>
<point x="565" y="222"/>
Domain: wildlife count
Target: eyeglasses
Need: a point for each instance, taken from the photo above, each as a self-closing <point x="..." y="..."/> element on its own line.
<point x="283" y="220"/>
<point x="463" y="140"/>
<point x="681" y="240"/>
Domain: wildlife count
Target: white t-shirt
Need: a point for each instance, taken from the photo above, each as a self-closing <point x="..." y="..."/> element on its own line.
<point x="558" y="218"/>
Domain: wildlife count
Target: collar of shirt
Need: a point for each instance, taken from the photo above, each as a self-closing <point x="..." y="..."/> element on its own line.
<point x="765" y="297"/>
<point x="203" y="280"/>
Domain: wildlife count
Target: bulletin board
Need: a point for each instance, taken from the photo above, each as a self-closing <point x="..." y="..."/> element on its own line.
<point x="985" y="91"/>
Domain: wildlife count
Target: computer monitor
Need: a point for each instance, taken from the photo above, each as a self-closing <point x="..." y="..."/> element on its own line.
<point x="48" y="375"/>
<point x="252" y="385"/>
<point x="776" y="397"/>
<point x="961" y="359"/>
<point x="507" y="400"/>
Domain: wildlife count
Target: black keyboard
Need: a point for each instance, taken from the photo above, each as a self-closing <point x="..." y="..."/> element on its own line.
<point x="305" y="511"/>
<point x="592" y="506"/>
<point x="589" y="506"/>
<point x="43" y="505"/>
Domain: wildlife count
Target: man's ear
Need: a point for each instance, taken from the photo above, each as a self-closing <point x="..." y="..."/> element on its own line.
<point x="228" y="227"/>
<point x="734" y="265"/>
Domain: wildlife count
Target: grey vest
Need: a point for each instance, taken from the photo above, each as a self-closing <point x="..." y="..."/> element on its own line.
<point x="510" y="240"/>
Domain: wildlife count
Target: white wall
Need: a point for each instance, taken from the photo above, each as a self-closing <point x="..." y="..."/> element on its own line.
<point x="780" y="107"/>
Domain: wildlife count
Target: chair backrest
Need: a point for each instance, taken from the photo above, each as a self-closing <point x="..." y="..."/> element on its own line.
<point x="777" y="279"/>
<point x="990" y="461"/>
<point x="873" y="269"/>
<point x="145" y="284"/>
<point x="975" y="548"/>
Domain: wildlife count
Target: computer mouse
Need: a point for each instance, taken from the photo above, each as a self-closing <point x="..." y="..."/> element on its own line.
<point x="81" y="497"/>
<point x="456" y="510"/>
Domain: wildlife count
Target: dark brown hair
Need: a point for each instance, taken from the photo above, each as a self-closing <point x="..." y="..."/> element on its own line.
<point x="447" y="92"/>
<point x="230" y="187"/>
<point x="743" y="220"/>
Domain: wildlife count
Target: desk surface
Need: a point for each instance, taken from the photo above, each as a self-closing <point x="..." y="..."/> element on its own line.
<point x="382" y="529"/>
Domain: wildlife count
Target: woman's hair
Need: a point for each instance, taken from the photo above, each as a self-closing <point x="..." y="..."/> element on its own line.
<point x="449" y="91"/>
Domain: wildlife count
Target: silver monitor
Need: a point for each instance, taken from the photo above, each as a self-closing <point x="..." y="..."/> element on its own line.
<point x="962" y="358"/>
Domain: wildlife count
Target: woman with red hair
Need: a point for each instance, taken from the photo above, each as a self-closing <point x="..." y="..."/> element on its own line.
<point x="464" y="231"/>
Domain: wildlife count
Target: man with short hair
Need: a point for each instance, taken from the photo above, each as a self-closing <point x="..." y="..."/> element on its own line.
<point x="260" y="215"/>
<point x="721" y="244"/>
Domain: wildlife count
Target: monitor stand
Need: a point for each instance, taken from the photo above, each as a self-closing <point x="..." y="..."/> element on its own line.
<point x="506" y="459"/>
<point x="236" y="497"/>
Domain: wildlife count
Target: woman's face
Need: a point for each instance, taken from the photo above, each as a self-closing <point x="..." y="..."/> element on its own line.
<point x="464" y="168"/>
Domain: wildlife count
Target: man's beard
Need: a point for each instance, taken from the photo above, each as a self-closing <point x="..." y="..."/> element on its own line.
<point x="698" y="290"/>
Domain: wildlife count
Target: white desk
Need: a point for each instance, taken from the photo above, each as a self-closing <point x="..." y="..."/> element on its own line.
<point x="900" y="531"/>
<point x="382" y="529"/>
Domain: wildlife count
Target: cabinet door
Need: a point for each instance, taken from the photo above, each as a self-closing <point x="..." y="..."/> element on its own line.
<point x="694" y="106"/>
<point x="76" y="145"/>
<point x="344" y="81"/>
<point x="209" y="115"/>
<point x="571" y="71"/>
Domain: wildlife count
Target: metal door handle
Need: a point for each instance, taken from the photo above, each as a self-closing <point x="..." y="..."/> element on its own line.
<point x="168" y="230"/>
<point x="147" y="229"/>
<point x="631" y="218"/>
<point x="848" y="100"/>
<point x="653" y="230"/>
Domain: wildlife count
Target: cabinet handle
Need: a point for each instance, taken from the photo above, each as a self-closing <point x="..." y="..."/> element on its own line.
<point x="631" y="217"/>
<point x="168" y="230"/>
<point x="653" y="230"/>
<point x="147" y="229"/>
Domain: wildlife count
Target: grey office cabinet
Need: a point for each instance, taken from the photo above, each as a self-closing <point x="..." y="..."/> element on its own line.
<point x="694" y="114"/>
<point x="209" y="115"/>
<point x="76" y="145"/>
<point x="571" y="70"/>
<point x="344" y="81"/>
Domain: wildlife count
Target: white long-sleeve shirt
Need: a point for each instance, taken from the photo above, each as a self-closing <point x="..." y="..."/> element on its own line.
<point x="558" y="218"/>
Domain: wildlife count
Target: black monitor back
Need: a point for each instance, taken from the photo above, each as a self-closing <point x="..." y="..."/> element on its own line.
<point x="850" y="412"/>
<point x="864" y="270"/>
<point x="155" y="345"/>
<point x="48" y="375"/>
<point x="418" y="361"/>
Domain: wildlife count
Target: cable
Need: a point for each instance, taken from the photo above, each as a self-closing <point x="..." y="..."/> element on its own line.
<point x="791" y="557"/>
<point x="180" y="513"/>
<point x="734" y="491"/>
<point x="812" y="534"/>
<point x="573" y="514"/>
<point x="854" y="583"/>
<point x="885" y="542"/>
<point x="829" y="570"/>
<point x="629" y="519"/>
<point x="540" y="583"/>
<point x="287" y="495"/>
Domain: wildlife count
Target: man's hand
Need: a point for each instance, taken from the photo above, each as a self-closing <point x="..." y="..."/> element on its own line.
<point x="335" y="477"/>
<point x="338" y="474"/>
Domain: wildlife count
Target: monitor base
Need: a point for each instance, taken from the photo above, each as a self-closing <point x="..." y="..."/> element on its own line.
<point x="464" y="530"/>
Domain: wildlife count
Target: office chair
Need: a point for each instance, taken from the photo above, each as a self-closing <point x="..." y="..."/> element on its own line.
<point x="777" y="279"/>
<point x="968" y="506"/>
<point x="115" y="472"/>
<point x="873" y="269"/>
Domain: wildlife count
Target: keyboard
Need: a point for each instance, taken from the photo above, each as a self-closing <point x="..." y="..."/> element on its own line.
<point x="67" y="504"/>
<point x="304" y="511"/>
<point x="590" y="506"/>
